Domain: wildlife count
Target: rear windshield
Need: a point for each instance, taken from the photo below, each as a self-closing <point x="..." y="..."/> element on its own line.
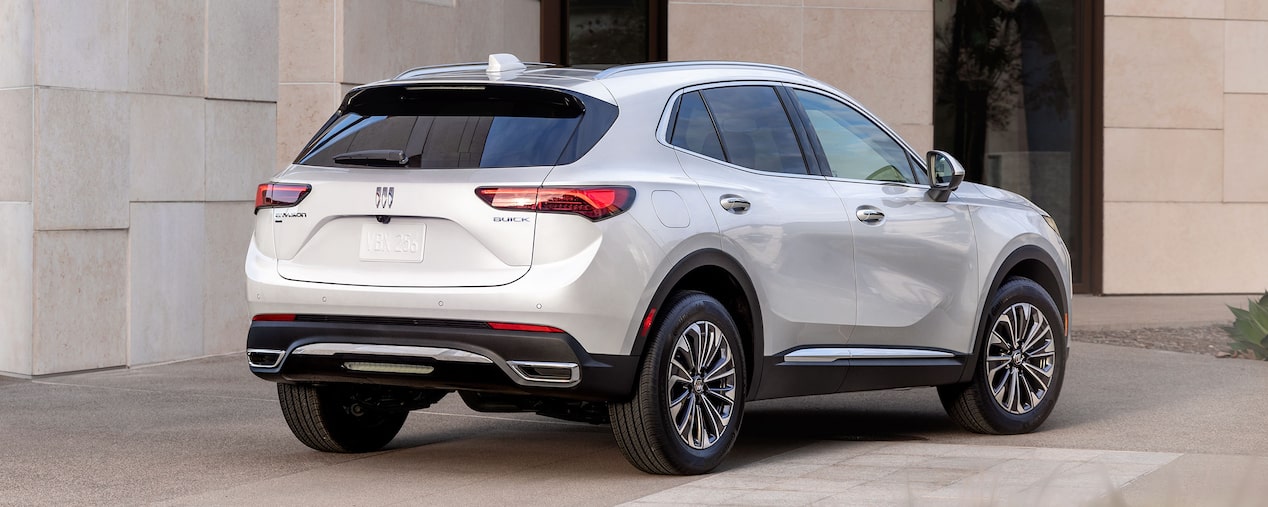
<point x="459" y="127"/>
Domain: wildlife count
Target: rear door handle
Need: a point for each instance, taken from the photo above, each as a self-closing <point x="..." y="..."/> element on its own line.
<point x="734" y="204"/>
<point x="870" y="215"/>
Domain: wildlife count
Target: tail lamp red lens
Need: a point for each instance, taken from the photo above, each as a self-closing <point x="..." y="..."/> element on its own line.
<point x="507" y="326"/>
<point x="594" y="203"/>
<point x="280" y="195"/>
<point x="273" y="317"/>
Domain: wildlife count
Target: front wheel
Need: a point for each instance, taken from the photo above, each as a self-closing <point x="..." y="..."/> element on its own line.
<point x="1020" y="366"/>
<point x="686" y="413"/>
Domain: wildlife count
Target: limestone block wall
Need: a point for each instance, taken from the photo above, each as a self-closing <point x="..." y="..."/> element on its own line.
<point x="877" y="51"/>
<point x="134" y="133"/>
<point x="1186" y="123"/>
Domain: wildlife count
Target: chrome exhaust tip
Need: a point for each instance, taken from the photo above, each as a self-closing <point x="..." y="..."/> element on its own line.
<point x="548" y="372"/>
<point x="265" y="358"/>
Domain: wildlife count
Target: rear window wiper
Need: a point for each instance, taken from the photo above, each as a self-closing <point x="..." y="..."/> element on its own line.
<point x="373" y="158"/>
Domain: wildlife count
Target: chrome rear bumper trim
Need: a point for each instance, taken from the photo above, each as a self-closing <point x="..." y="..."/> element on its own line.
<point x="437" y="353"/>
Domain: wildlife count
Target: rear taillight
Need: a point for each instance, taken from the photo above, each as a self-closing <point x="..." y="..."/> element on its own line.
<point x="595" y="203"/>
<point x="280" y="195"/>
<point x="273" y="317"/>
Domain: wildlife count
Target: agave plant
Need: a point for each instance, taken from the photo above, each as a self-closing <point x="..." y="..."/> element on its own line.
<point x="1250" y="330"/>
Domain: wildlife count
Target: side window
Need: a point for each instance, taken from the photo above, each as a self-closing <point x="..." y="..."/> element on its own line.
<point x="755" y="129"/>
<point x="693" y="129"/>
<point x="854" y="146"/>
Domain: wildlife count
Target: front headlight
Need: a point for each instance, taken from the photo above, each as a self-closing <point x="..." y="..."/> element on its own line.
<point x="1052" y="223"/>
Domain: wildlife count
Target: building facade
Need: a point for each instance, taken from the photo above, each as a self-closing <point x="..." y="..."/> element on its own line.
<point x="135" y="130"/>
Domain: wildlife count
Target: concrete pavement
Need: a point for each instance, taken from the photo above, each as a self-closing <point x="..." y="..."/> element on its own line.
<point x="1133" y="427"/>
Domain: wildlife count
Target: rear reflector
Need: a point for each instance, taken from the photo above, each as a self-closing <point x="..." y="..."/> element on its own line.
<point x="279" y="195"/>
<point x="272" y="317"/>
<point x="504" y="326"/>
<point x="594" y="203"/>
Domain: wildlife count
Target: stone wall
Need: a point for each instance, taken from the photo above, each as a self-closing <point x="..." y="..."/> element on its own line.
<point x="877" y="51"/>
<point x="135" y="132"/>
<point x="1186" y="123"/>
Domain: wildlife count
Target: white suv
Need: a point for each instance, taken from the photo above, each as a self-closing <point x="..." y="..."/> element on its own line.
<point x="649" y="245"/>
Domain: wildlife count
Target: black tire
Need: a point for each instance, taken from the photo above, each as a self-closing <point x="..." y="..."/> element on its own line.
<point x="974" y="405"/>
<point x="645" y="426"/>
<point x="329" y="418"/>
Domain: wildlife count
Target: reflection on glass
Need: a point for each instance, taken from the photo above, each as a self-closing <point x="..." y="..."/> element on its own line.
<point x="1006" y="102"/>
<point x="607" y="32"/>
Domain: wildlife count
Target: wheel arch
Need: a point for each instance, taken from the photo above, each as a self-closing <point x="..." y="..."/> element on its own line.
<point x="1031" y="262"/>
<point x="719" y="275"/>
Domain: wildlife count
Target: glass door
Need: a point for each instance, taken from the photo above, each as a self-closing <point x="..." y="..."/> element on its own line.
<point x="1011" y="97"/>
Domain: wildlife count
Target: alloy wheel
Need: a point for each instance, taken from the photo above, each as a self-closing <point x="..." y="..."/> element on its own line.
<point x="701" y="387"/>
<point x="1020" y="358"/>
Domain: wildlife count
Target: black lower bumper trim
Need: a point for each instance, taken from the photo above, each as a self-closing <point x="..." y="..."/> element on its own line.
<point x="602" y="377"/>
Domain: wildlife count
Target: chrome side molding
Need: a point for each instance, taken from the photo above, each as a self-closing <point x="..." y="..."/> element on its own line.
<point x="830" y="354"/>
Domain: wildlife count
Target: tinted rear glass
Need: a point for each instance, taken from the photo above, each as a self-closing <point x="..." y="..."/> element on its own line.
<point x="457" y="127"/>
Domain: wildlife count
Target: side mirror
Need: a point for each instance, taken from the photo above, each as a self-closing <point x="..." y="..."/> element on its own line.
<point x="946" y="174"/>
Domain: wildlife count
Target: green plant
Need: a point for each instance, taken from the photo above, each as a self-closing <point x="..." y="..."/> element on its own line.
<point x="1250" y="330"/>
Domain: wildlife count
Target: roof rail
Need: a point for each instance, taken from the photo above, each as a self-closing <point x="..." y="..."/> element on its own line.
<point x="697" y="63"/>
<point x="459" y="67"/>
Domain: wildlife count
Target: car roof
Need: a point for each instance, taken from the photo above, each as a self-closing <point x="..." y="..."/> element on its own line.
<point x="605" y="84"/>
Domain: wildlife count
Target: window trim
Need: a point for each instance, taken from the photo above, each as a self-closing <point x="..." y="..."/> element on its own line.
<point x="667" y="119"/>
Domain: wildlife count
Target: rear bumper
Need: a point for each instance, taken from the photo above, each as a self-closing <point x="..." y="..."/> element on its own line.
<point x="435" y="354"/>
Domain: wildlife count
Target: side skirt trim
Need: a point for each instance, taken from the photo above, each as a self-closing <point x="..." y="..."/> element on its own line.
<point x="830" y="354"/>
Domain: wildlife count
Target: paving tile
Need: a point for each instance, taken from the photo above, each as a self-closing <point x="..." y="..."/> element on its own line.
<point x="731" y="480"/>
<point x="690" y="494"/>
<point x="851" y="472"/>
<point x="777" y="498"/>
<point x="1141" y="458"/>
<point x="769" y="468"/>
<point x="814" y="485"/>
<point x="886" y="460"/>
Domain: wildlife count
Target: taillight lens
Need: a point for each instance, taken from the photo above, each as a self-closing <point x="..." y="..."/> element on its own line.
<point x="280" y="195"/>
<point x="273" y="317"/>
<point x="595" y="203"/>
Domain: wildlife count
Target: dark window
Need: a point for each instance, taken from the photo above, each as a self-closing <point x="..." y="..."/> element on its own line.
<point x="755" y="129"/>
<point x="855" y="147"/>
<point x="693" y="129"/>
<point x="448" y="128"/>
<point x="603" y="32"/>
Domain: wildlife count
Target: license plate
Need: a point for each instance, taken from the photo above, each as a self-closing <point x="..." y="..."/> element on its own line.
<point x="392" y="242"/>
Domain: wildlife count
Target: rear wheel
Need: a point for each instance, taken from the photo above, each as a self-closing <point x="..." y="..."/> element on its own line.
<point x="686" y="412"/>
<point x="338" y="418"/>
<point x="1020" y="367"/>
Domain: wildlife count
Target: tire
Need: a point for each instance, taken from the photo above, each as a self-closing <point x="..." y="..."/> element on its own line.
<point x="674" y="393"/>
<point x="329" y="418"/>
<point x="1015" y="383"/>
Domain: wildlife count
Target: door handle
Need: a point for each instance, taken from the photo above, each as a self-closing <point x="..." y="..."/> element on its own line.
<point x="869" y="215"/>
<point x="734" y="204"/>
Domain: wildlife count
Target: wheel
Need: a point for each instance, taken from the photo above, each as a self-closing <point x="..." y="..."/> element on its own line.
<point x="334" y="418"/>
<point x="1021" y="364"/>
<point x="686" y="412"/>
